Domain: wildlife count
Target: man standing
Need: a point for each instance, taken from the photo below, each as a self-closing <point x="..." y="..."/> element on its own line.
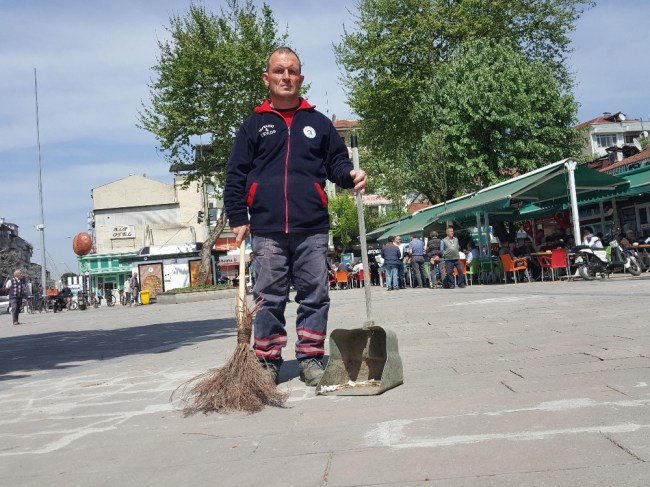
<point x="435" y="259"/>
<point x="17" y="291"/>
<point x="392" y="255"/>
<point x="450" y="250"/>
<point x="275" y="179"/>
<point x="417" y="259"/>
<point x="134" y="284"/>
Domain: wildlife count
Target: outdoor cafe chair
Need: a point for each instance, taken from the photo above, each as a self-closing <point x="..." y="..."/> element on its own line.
<point x="514" y="266"/>
<point x="358" y="278"/>
<point x="471" y="270"/>
<point x="559" y="260"/>
<point x="342" y="278"/>
<point x="545" y="264"/>
<point x="463" y="264"/>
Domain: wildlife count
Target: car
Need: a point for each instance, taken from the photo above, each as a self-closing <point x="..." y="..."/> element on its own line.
<point x="4" y="304"/>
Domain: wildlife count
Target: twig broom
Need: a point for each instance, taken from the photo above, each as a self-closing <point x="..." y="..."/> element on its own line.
<point x="241" y="384"/>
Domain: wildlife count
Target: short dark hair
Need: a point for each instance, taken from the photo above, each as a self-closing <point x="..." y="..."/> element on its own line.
<point x="283" y="50"/>
<point x="433" y="233"/>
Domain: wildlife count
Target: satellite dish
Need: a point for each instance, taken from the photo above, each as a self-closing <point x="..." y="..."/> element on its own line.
<point x="636" y="144"/>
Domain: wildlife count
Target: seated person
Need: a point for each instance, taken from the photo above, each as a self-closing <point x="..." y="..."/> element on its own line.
<point x="525" y="252"/>
<point x="549" y="244"/>
<point x="343" y="267"/>
<point x="357" y="267"/>
<point x="472" y="252"/>
<point x="590" y="240"/>
<point x="505" y="248"/>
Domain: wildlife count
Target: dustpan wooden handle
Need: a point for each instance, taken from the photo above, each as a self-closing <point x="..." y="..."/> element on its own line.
<point x="362" y="236"/>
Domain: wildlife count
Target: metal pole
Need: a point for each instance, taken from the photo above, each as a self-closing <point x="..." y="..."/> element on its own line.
<point x="571" y="166"/>
<point x="481" y="247"/>
<point x="40" y="227"/>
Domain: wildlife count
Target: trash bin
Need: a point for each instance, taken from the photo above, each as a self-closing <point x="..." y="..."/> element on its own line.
<point x="144" y="297"/>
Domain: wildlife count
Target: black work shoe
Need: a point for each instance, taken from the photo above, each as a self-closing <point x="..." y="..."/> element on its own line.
<point x="311" y="371"/>
<point x="273" y="370"/>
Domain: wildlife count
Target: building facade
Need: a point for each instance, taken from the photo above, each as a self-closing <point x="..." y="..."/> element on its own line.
<point x="138" y="226"/>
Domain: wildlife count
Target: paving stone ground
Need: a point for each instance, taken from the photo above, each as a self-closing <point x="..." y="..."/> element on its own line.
<point x="539" y="384"/>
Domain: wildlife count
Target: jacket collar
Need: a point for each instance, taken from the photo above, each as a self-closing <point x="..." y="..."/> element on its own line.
<point x="267" y="108"/>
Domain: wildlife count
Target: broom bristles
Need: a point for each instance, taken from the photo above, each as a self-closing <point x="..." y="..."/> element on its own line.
<point x="240" y="385"/>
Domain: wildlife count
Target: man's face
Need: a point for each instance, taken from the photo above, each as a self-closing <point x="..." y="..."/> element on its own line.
<point x="283" y="79"/>
<point x="450" y="232"/>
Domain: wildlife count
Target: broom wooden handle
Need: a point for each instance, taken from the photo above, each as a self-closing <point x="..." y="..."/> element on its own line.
<point x="241" y="295"/>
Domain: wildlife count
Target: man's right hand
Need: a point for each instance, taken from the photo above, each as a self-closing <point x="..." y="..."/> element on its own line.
<point x="241" y="233"/>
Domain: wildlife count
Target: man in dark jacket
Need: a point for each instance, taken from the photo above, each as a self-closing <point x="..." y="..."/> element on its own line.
<point x="281" y="157"/>
<point x="436" y="263"/>
<point x="392" y="256"/>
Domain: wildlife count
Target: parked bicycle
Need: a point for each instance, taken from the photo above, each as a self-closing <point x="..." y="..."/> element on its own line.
<point x="36" y="303"/>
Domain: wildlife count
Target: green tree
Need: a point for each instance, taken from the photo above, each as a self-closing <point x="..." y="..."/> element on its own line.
<point x="208" y="80"/>
<point x="343" y="217"/>
<point x="393" y="55"/>
<point x="497" y="113"/>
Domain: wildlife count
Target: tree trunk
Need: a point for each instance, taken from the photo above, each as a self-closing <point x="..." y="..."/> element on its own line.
<point x="206" y="250"/>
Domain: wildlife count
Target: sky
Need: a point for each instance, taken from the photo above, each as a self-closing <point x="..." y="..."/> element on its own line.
<point x="93" y="66"/>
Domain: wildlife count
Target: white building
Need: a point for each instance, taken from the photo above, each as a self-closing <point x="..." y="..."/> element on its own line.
<point x="613" y="131"/>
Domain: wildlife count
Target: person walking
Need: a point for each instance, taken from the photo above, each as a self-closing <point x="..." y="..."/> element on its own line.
<point x="17" y="292"/>
<point x="450" y="250"/>
<point x="275" y="178"/>
<point x="392" y="255"/>
<point x="417" y="260"/>
<point x="134" y="284"/>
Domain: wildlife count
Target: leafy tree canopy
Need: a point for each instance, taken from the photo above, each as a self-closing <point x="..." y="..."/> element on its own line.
<point x="208" y="81"/>
<point x="393" y="63"/>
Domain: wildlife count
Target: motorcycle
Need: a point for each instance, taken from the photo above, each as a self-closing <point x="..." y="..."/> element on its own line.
<point x="593" y="263"/>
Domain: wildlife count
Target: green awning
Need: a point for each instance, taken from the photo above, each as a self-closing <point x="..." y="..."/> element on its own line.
<point x="419" y="222"/>
<point x="547" y="184"/>
<point x="377" y="232"/>
<point x="638" y="183"/>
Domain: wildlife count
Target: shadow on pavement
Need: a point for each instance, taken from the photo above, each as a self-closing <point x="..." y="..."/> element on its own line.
<point x="61" y="350"/>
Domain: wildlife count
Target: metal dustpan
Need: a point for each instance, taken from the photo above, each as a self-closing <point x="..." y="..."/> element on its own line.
<point x="363" y="361"/>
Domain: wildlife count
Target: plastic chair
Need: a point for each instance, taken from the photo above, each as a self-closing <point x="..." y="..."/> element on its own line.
<point x="342" y="278"/>
<point x="471" y="270"/>
<point x="463" y="264"/>
<point x="559" y="260"/>
<point x="514" y="265"/>
<point x="358" y="278"/>
<point x="545" y="263"/>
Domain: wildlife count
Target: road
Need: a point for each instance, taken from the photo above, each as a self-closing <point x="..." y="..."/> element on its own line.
<point x="505" y="385"/>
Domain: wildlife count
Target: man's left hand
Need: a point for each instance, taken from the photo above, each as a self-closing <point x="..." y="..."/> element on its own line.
<point x="360" y="180"/>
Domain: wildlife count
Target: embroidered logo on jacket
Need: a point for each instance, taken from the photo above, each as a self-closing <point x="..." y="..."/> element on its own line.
<point x="309" y="132"/>
<point x="268" y="129"/>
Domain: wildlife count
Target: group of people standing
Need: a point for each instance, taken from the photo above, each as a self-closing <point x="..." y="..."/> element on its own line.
<point x="444" y="255"/>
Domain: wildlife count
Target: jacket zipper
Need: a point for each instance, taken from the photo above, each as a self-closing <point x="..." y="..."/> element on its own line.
<point x="286" y="183"/>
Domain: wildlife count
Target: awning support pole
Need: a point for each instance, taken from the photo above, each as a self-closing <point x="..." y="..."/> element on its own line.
<point x="571" y="166"/>
<point x="481" y="249"/>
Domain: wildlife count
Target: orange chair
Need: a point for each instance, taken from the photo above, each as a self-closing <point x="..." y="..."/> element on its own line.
<point x="545" y="263"/>
<point x="514" y="265"/>
<point x="341" y="278"/>
<point x="463" y="264"/>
